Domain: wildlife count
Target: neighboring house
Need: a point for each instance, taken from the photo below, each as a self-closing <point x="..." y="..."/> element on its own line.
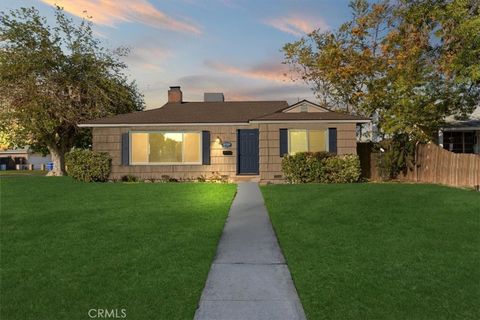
<point x="22" y="157"/>
<point x="461" y="136"/>
<point x="232" y="139"/>
<point x="369" y="132"/>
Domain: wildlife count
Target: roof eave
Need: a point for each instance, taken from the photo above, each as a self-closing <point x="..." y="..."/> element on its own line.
<point x="313" y="121"/>
<point x="109" y="125"/>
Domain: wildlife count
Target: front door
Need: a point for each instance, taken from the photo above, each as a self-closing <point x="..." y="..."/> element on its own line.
<point x="247" y="150"/>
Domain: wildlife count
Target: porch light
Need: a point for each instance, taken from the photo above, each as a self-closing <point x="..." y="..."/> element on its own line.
<point x="218" y="140"/>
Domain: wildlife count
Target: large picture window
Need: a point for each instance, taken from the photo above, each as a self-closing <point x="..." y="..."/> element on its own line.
<point x="165" y="147"/>
<point x="303" y="140"/>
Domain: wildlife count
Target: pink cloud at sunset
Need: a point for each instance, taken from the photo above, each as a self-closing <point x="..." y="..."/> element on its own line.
<point x="297" y="25"/>
<point x="112" y="12"/>
<point x="270" y="71"/>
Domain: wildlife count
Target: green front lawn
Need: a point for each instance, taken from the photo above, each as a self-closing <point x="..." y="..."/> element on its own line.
<point x="380" y="251"/>
<point x="23" y="173"/>
<point x="68" y="247"/>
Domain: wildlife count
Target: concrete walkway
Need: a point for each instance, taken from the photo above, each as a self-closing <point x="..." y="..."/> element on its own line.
<point x="249" y="278"/>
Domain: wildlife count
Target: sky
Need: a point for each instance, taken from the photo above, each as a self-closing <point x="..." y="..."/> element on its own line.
<point x="229" y="46"/>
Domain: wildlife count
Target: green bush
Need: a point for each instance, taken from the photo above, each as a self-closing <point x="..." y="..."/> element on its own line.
<point x="398" y="156"/>
<point x="342" y="169"/>
<point x="322" y="167"/>
<point x="129" y="178"/>
<point x="88" y="165"/>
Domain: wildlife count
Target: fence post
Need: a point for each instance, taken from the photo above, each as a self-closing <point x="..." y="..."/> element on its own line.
<point x="416" y="161"/>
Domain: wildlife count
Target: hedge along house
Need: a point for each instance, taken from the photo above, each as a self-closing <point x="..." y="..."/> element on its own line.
<point x="234" y="140"/>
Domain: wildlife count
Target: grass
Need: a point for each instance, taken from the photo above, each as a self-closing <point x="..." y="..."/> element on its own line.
<point x="380" y="251"/>
<point x="68" y="247"/>
<point x="23" y="173"/>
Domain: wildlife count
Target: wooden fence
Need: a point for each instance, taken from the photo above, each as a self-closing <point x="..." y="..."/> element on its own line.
<point x="368" y="161"/>
<point x="437" y="165"/>
<point x="433" y="165"/>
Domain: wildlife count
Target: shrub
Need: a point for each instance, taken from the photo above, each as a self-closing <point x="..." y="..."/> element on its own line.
<point x="398" y="156"/>
<point x="321" y="167"/>
<point x="88" y="165"/>
<point x="129" y="178"/>
<point x="342" y="169"/>
<point x="305" y="167"/>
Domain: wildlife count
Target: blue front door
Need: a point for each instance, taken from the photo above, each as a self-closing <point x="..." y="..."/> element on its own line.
<point x="247" y="158"/>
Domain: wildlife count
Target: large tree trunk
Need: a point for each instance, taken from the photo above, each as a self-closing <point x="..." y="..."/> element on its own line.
<point x="58" y="159"/>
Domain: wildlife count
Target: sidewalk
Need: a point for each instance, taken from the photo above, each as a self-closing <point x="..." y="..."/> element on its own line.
<point x="249" y="278"/>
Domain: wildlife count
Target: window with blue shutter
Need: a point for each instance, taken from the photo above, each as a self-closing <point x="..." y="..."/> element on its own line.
<point x="205" y="147"/>
<point x="125" y="149"/>
<point x="332" y="140"/>
<point x="283" y="142"/>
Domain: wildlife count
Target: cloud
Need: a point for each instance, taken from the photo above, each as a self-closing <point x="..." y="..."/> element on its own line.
<point x="269" y="71"/>
<point x="235" y="89"/>
<point x="147" y="58"/>
<point x="297" y="25"/>
<point x="112" y="12"/>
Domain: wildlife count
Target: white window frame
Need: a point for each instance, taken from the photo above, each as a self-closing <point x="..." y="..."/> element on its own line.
<point x="327" y="147"/>
<point x="165" y="163"/>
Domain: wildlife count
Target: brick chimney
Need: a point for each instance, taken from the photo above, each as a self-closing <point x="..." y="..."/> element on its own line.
<point x="175" y="95"/>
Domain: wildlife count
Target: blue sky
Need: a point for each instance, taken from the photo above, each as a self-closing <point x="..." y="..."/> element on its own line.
<point x="230" y="46"/>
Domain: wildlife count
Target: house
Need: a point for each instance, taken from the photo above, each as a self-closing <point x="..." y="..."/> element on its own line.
<point x="25" y="158"/>
<point x="230" y="139"/>
<point x="461" y="136"/>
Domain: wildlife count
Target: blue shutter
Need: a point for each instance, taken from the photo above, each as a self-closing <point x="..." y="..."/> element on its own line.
<point x="332" y="140"/>
<point x="125" y="149"/>
<point x="283" y="142"/>
<point x="205" y="147"/>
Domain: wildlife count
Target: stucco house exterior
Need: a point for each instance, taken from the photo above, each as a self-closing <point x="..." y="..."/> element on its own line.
<point x="235" y="140"/>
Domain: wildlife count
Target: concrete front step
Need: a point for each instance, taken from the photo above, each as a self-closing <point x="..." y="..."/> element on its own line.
<point x="246" y="178"/>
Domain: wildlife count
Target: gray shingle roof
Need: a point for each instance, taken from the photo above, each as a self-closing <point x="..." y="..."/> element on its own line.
<point x="218" y="112"/>
<point x="198" y="112"/>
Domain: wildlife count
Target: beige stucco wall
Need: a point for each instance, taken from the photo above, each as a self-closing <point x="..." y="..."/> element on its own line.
<point x="110" y="140"/>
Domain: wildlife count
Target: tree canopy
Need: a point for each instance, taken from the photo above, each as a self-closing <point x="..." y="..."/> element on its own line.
<point x="407" y="63"/>
<point x="54" y="76"/>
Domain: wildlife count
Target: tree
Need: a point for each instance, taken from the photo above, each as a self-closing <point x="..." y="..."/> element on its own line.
<point x="408" y="63"/>
<point x="54" y="77"/>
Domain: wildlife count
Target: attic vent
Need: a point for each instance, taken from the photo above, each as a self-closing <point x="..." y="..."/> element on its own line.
<point x="303" y="108"/>
<point x="213" y="97"/>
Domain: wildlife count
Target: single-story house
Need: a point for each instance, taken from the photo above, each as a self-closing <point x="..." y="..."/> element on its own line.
<point x="461" y="136"/>
<point x="24" y="158"/>
<point x="229" y="139"/>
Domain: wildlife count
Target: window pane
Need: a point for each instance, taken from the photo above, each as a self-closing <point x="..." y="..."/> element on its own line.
<point x="165" y="147"/>
<point x="298" y="141"/>
<point x="191" y="147"/>
<point x="139" y="145"/>
<point x="317" y="140"/>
